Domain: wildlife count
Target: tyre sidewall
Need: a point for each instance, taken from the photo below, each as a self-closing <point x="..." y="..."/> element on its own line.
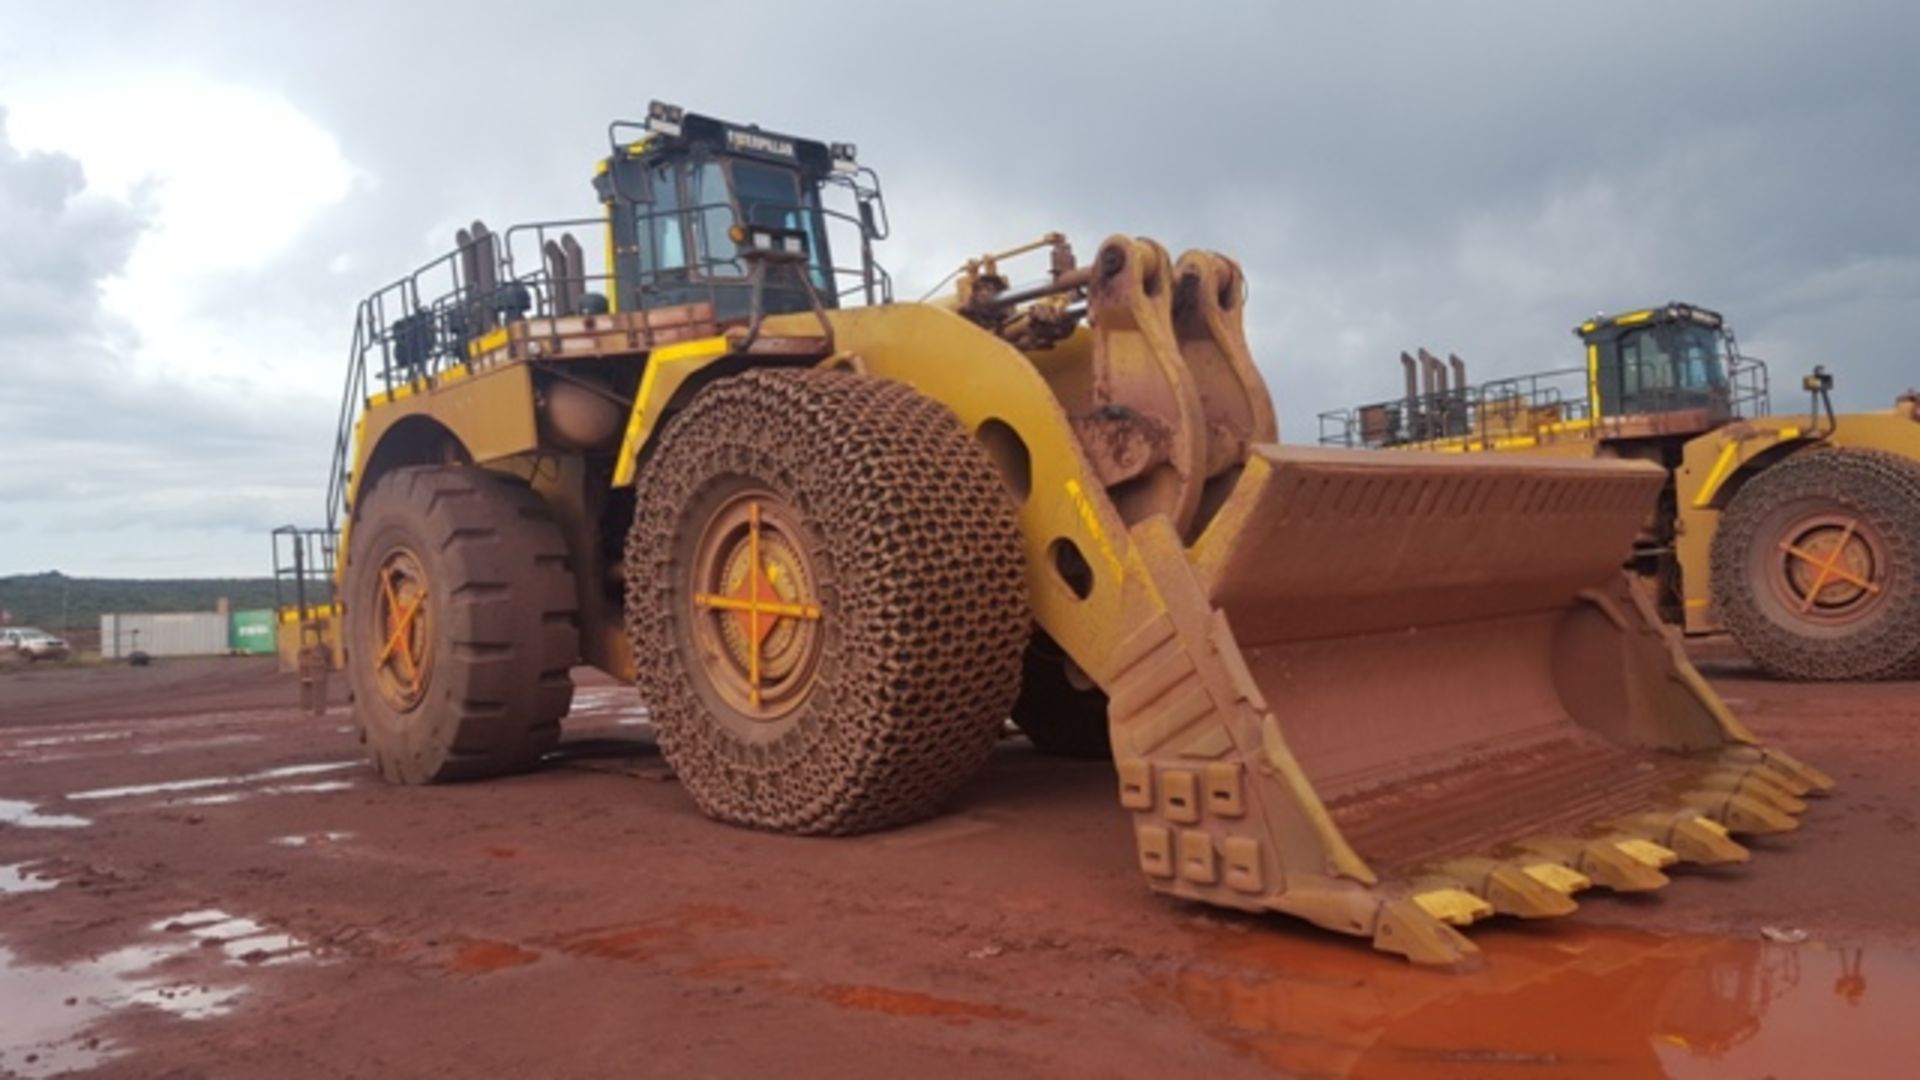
<point x="874" y="744"/>
<point x="412" y="744"/>
<point x="1763" y="558"/>
<point x="779" y="768"/>
<point x="1866" y="485"/>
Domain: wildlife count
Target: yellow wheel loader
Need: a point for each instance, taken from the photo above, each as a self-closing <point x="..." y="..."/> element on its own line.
<point x="1798" y="534"/>
<point x="836" y="541"/>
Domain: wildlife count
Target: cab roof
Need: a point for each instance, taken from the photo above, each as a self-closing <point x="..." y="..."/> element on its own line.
<point x="1610" y="326"/>
<point x="695" y="130"/>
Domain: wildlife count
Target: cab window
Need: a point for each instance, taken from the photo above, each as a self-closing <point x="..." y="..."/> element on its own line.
<point x="1696" y="352"/>
<point x="1643" y="364"/>
<point x="663" y="241"/>
<point x="712" y="203"/>
<point x="1665" y="366"/>
<point x="768" y="195"/>
<point x="683" y="232"/>
<point x="771" y="196"/>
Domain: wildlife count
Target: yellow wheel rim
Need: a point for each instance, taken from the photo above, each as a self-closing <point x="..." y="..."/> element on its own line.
<point x="758" y="626"/>
<point x="404" y="626"/>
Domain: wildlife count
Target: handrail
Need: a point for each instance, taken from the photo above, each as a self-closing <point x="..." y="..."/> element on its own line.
<point x="418" y="324"/>
<point x="1484" y="413"/>
<point x="1533" y="406"/>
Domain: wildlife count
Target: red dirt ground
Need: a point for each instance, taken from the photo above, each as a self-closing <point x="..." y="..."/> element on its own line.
<point x="195" y="880"/>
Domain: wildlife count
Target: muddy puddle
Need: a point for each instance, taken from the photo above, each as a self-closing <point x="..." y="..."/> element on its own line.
<point x="228" y="798"/>
<point x="27" y="815"/>
<point x="239" y="939"/>
<point x="48" y="1013"/>
<point x="51" y="1015"/>
<point x="1588" y="1002"/>
<point x="315" y="839"/>
<point x="20" y="878"/>
<point x="213" y="743"/>
<point x="46" y="750"/>
<point x="71" y="740"/>
<point x="266" y="776"/>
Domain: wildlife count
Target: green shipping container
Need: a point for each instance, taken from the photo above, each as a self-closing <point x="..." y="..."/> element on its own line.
<point x="252" y="633"/>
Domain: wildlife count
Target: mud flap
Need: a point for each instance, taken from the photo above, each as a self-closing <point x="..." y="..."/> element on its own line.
<point x="1396" y="694"/>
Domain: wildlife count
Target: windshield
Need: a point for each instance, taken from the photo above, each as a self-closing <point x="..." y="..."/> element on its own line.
<point x="683" y="233"/>
<point x="771" y="196"/>
<point x="713" y="206"/>
<point x="768" y="195"/>
<point x="1673" y="356"/>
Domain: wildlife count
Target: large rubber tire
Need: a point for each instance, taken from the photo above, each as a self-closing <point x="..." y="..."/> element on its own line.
<point x="916" y="567"/>
<point x="1877" y="638"/>
<point x="1058" y="717"/>
<point x="500" y="632"/>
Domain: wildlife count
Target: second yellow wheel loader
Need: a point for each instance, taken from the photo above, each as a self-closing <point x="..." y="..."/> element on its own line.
<point x="836" y="541"/>
<point x="1798" y="534"/>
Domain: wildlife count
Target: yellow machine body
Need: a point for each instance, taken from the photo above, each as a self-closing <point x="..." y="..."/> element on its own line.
<point x="1713" y="467"/>
<point x="1392" y="694"/>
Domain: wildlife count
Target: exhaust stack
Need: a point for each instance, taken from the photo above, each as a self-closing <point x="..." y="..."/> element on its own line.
<point x="1436" y="374"/>
<point x="1411" y="368"/>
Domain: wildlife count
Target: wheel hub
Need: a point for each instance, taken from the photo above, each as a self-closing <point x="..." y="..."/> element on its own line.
<point x="404" y="625"/>
<point x="757" y="624"/>
<point x="1829" y="567"/>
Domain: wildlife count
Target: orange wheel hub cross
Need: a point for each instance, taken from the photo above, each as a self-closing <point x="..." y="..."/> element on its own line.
<point x="1829" y="566"/>
<point x="757" y="627"/>
<point x="405" y="630"/>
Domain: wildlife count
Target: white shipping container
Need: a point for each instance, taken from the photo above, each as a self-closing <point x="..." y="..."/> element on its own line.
<point x="185" y="633"/>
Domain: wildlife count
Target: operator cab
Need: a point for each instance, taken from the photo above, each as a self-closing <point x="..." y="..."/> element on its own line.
<point x="703" y="211"/>
<point x="1660" y="360"/>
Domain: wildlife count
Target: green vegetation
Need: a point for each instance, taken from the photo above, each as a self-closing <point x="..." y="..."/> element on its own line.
<point x="38" y="599"/>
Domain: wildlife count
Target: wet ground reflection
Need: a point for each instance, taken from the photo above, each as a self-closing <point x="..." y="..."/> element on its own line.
<point x="50" y="1013"/>
<point x="20" y="878"/>
<point x="27" y="815"/>
<point x="1576" y="1002"/>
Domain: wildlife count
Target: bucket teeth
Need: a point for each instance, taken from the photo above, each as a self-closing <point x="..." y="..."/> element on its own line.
<point x="1623" y="864"/>
<point x="1558" y="877"/>
<point x="1404" y="926"/>
<point x="1757" y="784"/>
<point x="1616" y="868"/>
<point x="1818" y="783"/>
<point x="1790" y="782"/>
<point x="1524" y="888"/>
<point x="1797" y="777"/>
<point x="1693" y="838"/>
<point x="1510" y="890"/>
<point x="1657" y="856"/>
<point x="1742" y="813"/>
<point x="1761" y="786"/>
<point x="1452" y="905"/>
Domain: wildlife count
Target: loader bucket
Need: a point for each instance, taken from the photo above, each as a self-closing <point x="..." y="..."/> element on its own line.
<point x="1389" y="693"/>
<point x="1397" y="693"/>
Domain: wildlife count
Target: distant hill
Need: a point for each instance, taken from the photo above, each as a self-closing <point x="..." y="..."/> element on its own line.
<point x="36" y="599"/>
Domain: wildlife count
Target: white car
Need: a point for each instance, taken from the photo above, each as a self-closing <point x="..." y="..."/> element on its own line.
<point x="29" y="644"/>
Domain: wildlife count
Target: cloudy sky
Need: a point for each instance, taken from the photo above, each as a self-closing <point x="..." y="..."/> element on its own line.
<point x="193" y="195"/>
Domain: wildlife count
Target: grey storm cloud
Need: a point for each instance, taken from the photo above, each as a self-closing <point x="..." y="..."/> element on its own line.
<point x="94" y="446"/>
<point x="1472" y="177"/>
<point x="58" y="243"/>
